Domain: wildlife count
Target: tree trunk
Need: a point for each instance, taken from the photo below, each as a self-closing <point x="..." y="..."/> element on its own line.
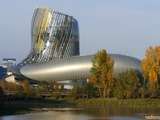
<point x="100" y="93"/>
<point x="104" y="91"/>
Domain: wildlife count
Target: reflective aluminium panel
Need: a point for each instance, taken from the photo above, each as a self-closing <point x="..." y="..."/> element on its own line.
<point x="54" y="35"/>
<point x="75" y="68"/>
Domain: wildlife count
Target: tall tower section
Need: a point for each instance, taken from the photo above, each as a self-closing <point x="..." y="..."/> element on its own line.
<point x="54" y="35"/>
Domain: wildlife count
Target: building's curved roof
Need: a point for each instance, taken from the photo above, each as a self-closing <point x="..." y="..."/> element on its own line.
<point x="75" y="68"/>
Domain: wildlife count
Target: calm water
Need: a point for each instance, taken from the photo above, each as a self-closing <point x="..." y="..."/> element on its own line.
<point x="87" y="114"/>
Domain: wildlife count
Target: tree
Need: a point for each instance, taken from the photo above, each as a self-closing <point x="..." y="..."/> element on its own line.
<point x="87" y="90"/>
<point x="90" y="90"/>
<point x="151" y="68"/>
<point x="102" y="73"/>
<point x="26" y="88"/>
<point x="127" y="85"/>
<point x="78" y="91"/>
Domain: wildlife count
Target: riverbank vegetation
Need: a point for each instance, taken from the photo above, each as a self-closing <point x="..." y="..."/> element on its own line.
<point x="130" y="83"/>
<point x="113" y="102"/>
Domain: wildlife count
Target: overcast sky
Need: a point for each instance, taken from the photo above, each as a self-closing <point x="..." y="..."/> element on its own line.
<point x="121" y="26"/>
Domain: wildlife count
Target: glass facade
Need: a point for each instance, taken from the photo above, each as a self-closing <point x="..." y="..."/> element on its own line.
<point x="54" y="35"/>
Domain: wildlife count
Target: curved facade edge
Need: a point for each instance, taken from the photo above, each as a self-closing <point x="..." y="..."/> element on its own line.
<point x="75" y="68"/>
<point x="53" y="35"/>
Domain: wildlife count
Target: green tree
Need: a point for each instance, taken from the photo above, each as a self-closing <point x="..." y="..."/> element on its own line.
<point x="102" y="73"/>
<point x="127" y="85"/>
<point x="90" y="90"/>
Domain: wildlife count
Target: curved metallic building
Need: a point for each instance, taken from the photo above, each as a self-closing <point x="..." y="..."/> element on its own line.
<point x="54" y="35"/>
<point x="75" y="68"/>
<point x="55" y="50"/>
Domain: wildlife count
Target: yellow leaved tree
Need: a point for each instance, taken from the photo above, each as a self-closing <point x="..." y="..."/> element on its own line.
<point x="151" y="67"/>
<point x="102" y="73"/>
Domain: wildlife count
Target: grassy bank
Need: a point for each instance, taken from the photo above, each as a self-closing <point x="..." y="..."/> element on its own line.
<point x="132" y="103"/>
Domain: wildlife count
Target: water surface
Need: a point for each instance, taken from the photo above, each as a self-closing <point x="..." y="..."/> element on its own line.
<point x="87" y="114"/>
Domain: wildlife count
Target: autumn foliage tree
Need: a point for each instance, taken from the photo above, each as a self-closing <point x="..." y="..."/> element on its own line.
<point x="151" y="68"/>
<point x="127" y="85"/>
<point x="26" y="88"/>
<point x="102" y="73"/>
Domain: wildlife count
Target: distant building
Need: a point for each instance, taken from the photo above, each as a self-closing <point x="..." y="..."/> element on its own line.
<point x="6" y="72"/>
<point x="3" y="72"/>
<point x="9" y="63"/>
<point x="10" y="78"/>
